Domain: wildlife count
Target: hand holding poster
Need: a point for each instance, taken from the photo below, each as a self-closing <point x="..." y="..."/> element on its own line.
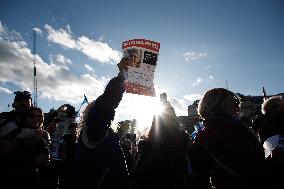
<point x="142" y="56"/>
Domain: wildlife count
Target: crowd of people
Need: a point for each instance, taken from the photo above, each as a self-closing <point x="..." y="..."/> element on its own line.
<point x="55" y="151"/>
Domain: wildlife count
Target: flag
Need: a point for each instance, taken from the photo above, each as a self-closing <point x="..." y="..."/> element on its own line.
<point x="85" y="100"/>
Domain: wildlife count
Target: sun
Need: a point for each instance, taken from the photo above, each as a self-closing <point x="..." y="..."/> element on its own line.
<point x="147" y="107"/>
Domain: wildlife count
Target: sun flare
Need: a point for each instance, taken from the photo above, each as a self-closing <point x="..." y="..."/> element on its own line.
<point x="144" y="108"/>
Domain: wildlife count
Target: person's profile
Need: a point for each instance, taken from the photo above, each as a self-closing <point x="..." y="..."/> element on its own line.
<point x="134" y="57"/>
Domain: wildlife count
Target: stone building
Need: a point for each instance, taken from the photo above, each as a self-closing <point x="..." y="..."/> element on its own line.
<point x="191" y="119"/>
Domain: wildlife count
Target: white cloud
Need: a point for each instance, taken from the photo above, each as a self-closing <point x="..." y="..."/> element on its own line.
<point x="192" y="97"/>
<point x="208" y="66"/>
<point x="211" y="77"/>
<point x="55" y="82"/>
<point x="191" y="56"/>
<point x="89" y="68"/>
<point x="60" y="36"/>
<point x="101" y="38"/>
<point x="62" y="60"/>
<point x="179" y="105"/>
<point x="197" y="82"/>
<point x="11" y="35"/>
<point x="68" y="28"/>
<point x="201" y="54"/>
<point x="95" y="50"/>
<point x="5" y="90"/>
<point x="1" y="27"/>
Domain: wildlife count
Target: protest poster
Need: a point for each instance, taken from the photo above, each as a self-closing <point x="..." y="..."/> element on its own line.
<point x="57" y="138"/>
<point x="142" y="55"/>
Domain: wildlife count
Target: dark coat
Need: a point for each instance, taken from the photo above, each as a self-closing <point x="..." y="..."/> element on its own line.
<point x="271" y="125"/>
<point x="236" y="148"/>
<point x="104" y="165"/>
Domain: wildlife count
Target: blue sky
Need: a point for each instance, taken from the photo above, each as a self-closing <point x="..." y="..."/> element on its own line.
<point x="203" y="44"/>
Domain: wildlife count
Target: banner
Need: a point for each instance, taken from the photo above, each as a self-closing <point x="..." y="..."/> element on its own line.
<point x="142" y="55"/>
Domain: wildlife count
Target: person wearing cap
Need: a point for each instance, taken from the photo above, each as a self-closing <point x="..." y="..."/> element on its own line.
<point x="99" y="160"/>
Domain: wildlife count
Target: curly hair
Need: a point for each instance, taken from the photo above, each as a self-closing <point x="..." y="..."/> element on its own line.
<point x="217" y="101"/>
<point x="273" y="105"/>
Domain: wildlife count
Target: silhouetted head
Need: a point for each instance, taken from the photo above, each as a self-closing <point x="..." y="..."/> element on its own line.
<point x="34" y="118"/>
<point x="22" y="101"/>
<point x="273" y="105"/>
<point x="219" y="101"/>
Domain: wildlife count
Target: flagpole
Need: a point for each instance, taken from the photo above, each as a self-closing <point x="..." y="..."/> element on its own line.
<point x="264" y="94"/>
<point x="80" y="108"/>
<point x="227" y="85"/>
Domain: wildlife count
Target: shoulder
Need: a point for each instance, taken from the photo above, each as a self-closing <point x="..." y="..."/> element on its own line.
<point x="273" y="121"/>
<point x="225" y="128"/>
<point x="7" y="117"/>
<point x="8" y="126"/>
<point x="4" y="115"/>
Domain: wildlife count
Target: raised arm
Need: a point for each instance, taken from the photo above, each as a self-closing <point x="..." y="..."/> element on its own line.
<point x="102" y="110"/>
